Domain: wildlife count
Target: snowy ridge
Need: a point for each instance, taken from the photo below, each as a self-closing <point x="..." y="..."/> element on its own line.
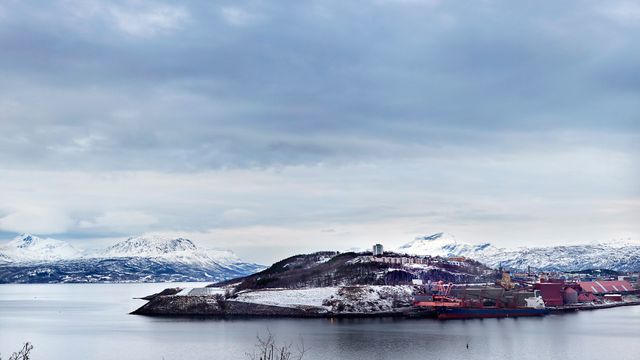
<point x="442" y="244"/>
<point x="169" y="249"/>
<point x="30" y="248"/>
<point x="568" y="258"/>
<point x="148" y="246"/>
<point x="617" y="254"/>
<point x="145" y="258"/>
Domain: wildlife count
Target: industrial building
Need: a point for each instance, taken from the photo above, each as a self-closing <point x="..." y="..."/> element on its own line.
<point x="559" y="293"/>
<point x="551" y="292"/>
<point x="606" y="286"/>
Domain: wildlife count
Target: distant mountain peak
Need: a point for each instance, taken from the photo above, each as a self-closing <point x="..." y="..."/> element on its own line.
<point x="25" y="240"/>
<point x="622" y="254"/>
<point x="150" y="246"/>
<point x="618" y="242"/>
<point x="441" y="244"/>
<point x="138" y="258"/>
<point x="28" y="247"/>
<point x="434" y="240"/>
<point x="176" y="249"/>
<point x="436" y="236"/>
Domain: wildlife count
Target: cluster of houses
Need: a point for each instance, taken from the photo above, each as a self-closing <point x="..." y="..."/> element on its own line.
<point x="378" y="255"/>
<point x="397" y="259"/>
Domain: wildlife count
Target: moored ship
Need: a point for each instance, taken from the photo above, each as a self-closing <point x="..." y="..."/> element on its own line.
<point x="448" y="313"/>
<point x="448" y="307"/>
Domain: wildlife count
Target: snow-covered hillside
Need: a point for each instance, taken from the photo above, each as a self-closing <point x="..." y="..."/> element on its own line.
<point x="149" y="246"/>
<point x="169" y="249"/>
<point x="567" y="258"/>
<point x="443" y="244"/>
<point x="30" y="248"/>
<point x="337" y="299"/>
<point x="28" y="258"/>
<point x="617" y="254"/>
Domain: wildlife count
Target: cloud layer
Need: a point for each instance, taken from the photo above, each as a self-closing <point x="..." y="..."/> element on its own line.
<point x="263" y="124"/>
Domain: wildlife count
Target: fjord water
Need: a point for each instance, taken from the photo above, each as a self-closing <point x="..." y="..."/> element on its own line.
<point x="91" y="321"/>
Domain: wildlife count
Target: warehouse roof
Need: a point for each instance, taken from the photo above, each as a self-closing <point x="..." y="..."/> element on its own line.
<point x="605" y="286"/>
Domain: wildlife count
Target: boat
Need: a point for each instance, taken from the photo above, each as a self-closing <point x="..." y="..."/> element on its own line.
<point x="448" y="313"/>
<point x="448" y="307"/>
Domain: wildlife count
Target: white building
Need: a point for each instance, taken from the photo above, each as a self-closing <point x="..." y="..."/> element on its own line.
<point x="378" y="250"/>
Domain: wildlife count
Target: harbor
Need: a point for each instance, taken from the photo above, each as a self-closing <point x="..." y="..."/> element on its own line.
<point x="92" y="320"/>
<point x="378" y="283"/>
<point x="519" y="297"/>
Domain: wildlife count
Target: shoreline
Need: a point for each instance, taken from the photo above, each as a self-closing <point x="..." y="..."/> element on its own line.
<point x="210" y="307"/>
<point x="207" y="307"/>
<point x="565" y="309"/>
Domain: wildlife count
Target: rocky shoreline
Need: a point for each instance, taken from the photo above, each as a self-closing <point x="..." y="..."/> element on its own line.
<point x="170" y="303"/>
<point x="206" y="306"/>
<point x="262" y="304"/>
<point x="210" y="307"/>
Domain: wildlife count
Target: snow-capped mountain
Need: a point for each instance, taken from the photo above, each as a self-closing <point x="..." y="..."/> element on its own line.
<point x="618" y="254"/>
<point x="145" y="258"/>
<point x="149" y="246"/>
<point x="30" y="248"/>
<point x="169" y="249"/>
<point x="442" y="244"/>
<point x="612" y="256"/>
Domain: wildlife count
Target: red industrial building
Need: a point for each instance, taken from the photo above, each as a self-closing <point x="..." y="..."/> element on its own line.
<point x="551" y="292"/>
<point x="613" y="297"/>
<point x="606" y="286"/>
<point x="559" y="293"/>
<point x="570" y="296"/>
<point x="586" y="297"/>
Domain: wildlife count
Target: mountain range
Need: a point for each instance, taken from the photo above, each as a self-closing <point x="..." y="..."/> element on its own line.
<point x="618" y="254"/>
<point x="31" y="259"/>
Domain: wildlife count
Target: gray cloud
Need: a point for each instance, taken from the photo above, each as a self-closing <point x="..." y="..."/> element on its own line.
<point x="518" y="96"/>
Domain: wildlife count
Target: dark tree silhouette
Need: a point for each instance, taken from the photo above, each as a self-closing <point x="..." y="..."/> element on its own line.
<point x="268" y="349"/>
<point x="23" y="354"/>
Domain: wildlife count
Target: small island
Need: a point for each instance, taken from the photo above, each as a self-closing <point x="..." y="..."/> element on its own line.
<point x="322" y="284"/>
<point x="369" y="284"/>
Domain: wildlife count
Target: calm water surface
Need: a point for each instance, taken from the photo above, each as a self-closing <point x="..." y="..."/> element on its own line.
<point x="72" y="321"/>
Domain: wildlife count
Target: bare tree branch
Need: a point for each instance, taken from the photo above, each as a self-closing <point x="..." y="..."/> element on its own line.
<point x="268" y="349"/>
<point x="23" y="354"/>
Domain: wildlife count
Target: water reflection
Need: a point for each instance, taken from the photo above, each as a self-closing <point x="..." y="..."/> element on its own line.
<point x="92" y="322"/>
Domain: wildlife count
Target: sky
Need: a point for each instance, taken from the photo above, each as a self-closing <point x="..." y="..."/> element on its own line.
<point x="278" y="127"/>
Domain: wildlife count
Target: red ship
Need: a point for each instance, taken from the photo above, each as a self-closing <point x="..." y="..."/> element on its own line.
<point x="449" y="307"/>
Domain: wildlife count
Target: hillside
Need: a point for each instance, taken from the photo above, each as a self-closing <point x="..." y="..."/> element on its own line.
<point x="30" y="259"/>
<point x="321" y="284"/>
<point x="323" y="269"/>
<point x="618" y="255"/>
<point x="31" y="248"/>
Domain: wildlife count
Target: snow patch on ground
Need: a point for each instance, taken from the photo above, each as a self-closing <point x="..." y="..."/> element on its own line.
<point x="422" y="267"/>
<point x="289" y="297"/>
<point x="324" y="259"/>
<point x="338" y="299"/>
<point x="206" y="291"/>
<point x="370" y="299"/>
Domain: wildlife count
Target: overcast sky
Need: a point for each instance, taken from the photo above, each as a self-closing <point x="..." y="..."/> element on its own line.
<point x="277" y="127"/>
